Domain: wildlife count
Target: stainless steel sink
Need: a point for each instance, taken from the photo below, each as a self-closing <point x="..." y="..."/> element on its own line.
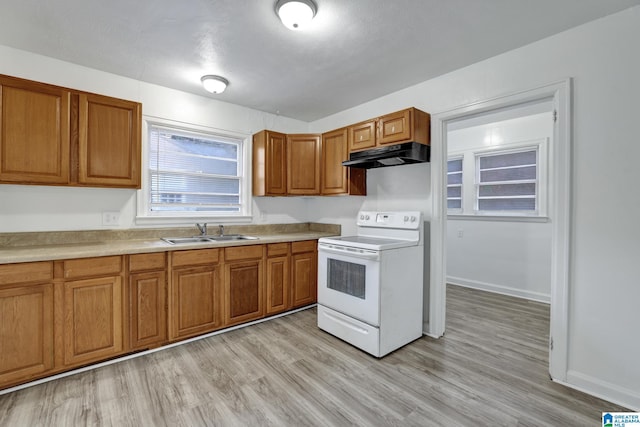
<point x="232" y="237"/>
<point x="194" y="239"/>
<point x="205" y="239"/>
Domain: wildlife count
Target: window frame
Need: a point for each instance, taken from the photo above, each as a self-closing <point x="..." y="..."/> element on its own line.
<point x="144" y="213"/>
<point x="470" y="199"/>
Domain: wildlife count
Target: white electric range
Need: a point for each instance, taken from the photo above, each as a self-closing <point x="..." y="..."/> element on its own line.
<point x="370" y="285"/>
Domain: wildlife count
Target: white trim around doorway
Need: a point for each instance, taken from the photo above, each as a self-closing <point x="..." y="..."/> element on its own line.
<point x="559" y="213"/>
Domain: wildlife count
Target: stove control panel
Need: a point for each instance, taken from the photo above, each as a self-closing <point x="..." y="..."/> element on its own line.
<point x="400" y="219"/>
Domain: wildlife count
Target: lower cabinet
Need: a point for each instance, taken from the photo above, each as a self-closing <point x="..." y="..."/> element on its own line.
<point x="147" y="300"/>
<point x="243" y="284"/>
<point x="304" y="267"/>
<point x="278" y="295"/>
<point x="92" y="309"/>
<point x="194" y="293"/>
<point x="26" y="321"/>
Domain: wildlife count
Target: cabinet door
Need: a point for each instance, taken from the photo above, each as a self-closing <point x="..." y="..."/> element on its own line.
<point x="362" y="136"/>
<point x="394" y="127"/>
<point x="92" y="311"/>
<point x="269" y="164"/>
<point x="243" y="291"/>
<point x="109" y="132"/>
<point x="147" y="299"/>
<point x="34" y="132"/>
<point x="26" y="331"/>
<point x="194" y="307"/>
<point x="303" y="164"/>
<point x="334" y="152"/>
<point x="304" y="277"/>
<point x="277" y="289"/>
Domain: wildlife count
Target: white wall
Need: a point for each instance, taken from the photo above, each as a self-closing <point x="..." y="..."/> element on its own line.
<point x="45" y="208"/>
<point x="505" y="256"/>
<point x="602" y="58"/>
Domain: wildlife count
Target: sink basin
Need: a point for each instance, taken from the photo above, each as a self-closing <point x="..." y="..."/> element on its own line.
<point x="194" y="239"/>
<point x="205" y="239"/>
<point x="232" y="237"/>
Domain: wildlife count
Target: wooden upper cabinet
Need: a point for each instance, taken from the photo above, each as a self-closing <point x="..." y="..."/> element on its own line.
<point x="57" y="136"/>
<point x="362" y="135"/>
<point x="410" y="125"/>
<point x="335" y="178"/>
<point x="269" y="164"/>
<point x="303" y="164"/>
<point x="34" y="132"/>
<point x="109" y="144"/>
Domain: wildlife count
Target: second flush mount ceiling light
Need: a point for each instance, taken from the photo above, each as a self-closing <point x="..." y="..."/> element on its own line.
<point x="214" y="84"/>
<point x="295" y="14"/>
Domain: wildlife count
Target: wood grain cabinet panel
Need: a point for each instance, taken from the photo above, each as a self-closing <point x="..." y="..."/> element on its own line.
<point x="303" y="164"/>
<point x="148" y="314"/>
<point x="34" y="132"/>
<point x="269" y="164"/>
<point x="362" y="135"/>
<point x="410" y="125"/>
<point x="278" y="295"/>
<point x="109" y="141"/>
<point x="195" y="295"/>
<point x="93" y="319"/>
<point x="304" y="272"/>
<point x="335" y="178"/>
<point x="244" y="284"/>
<point x="26" y="332"/>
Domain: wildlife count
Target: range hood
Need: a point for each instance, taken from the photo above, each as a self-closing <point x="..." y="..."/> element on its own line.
<point x="392" y="155"/>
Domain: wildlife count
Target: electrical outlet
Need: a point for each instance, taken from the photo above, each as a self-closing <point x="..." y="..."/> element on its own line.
<point x="110" y="218"/>
<point x="460" y="233"/>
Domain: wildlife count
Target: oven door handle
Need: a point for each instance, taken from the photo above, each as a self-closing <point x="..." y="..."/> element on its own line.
<point x="353" y="253"/>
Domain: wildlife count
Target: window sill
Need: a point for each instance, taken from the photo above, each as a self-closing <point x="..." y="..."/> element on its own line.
<point x="174" y="220"/>
<point x="504" y="218"/>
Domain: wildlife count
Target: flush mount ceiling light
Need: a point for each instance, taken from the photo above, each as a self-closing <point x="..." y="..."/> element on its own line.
<point x="214" y="84"/>
<point x="295" y="14"/>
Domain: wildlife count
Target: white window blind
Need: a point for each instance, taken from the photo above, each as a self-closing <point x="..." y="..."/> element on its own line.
<point x="454" y="184"/>
<point x="507" y="181"/>
<point x="194" y="172"/>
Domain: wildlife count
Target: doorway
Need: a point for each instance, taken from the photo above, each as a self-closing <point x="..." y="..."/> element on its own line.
<point x="559" y="171"/>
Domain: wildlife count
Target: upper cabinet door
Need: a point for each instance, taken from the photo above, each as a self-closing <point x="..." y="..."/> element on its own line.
<point x="303" y="164"/>
<point x="34" y="132"/>
<point x="269" y="164"/>
<point x="109" y="132"/>
<point x="394" y="127"/>
<point x="334" y="152"/>
<point x="362" y="135"/>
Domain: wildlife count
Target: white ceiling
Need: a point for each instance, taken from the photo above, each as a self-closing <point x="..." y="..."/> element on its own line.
<point x="354" y="51"/>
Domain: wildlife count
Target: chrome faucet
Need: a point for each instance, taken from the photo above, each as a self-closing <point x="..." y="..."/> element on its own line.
<point x="202" y="228"/>
<point x="221" y="229"/>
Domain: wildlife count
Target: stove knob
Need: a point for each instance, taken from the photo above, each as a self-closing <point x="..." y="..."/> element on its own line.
<point x="367" y="217"/>
<point x="413" y="219"/>
<point x="406" y="218"/>
<point x="361" y="216"/>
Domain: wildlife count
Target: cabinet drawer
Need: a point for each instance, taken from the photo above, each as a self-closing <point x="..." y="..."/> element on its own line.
<point x="144" y="262"/>
<point x="26" y="272"/>
<point x="195" y="257"/>
<point x="243" y="252"/>
<point x="87" y="267"/>
<point x="277" y="249"/>
<point x="304" y="246"/>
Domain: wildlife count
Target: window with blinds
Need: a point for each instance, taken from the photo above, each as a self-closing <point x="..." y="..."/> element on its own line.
<point x="454" y="184"/>
<point x="507" y="181"/>
<point x="194" y="172"/>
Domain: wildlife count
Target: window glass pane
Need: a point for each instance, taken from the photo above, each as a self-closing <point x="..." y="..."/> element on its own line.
<point x="513" y="174"/>
<point x="454" y="191"/>
<point x="509" y="159"/>
<point x="454" y="178"/>
<point x="528" y="204"/>
<point x="507" y="190"/>
<point x="454" y="165"/>
<point x="454" y="204"/>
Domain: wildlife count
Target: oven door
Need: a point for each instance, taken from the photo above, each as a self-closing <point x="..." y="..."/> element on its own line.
<point x="349" y="281"/>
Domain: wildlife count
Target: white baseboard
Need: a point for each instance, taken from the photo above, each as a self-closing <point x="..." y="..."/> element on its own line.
<point x="604" y="390"/>
<point x="499" y="289"/>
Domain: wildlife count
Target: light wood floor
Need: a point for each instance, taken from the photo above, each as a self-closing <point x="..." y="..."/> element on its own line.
<point x="490" y="369"/>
